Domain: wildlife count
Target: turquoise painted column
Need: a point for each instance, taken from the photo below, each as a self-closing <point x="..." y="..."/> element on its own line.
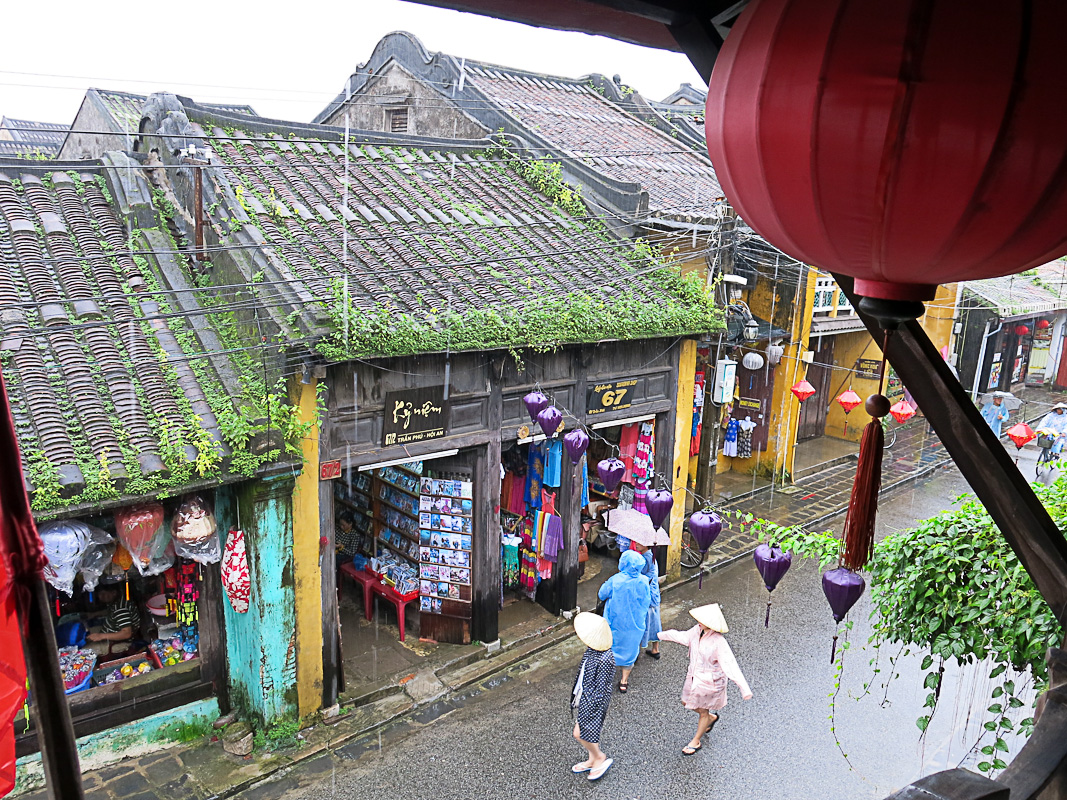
<point x="261" y="644"/>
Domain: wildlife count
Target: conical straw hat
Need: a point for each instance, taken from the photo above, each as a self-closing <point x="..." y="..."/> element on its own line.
<point x="594" y="630"/>
<point x="710" y="616"/>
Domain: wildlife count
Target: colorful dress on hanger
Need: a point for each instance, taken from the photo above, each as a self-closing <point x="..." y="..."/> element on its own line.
<point x="628" y="449"/>
<point x="744" y="438"/>
<point x="729" y="441"/>
<point x="511" y="565"/>
<point x="535" y="471"/>
<point x="553" y="463"/>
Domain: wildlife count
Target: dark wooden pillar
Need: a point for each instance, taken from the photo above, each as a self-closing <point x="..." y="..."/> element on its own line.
<point x="485" y="561"/>
<point x="333" y="679"/>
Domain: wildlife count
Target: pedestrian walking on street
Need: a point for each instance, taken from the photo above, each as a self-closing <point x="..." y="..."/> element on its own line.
<point x="711" y="662"/>
<point x="653" y="624"/>
<point x="995" y="414"/>
<point x="592" y="691"/>
<point x="627" y="597"/>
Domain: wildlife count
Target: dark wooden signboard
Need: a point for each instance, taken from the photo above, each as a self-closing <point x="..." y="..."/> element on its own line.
<point x="414" y="415"/>
<point x="610" y="396"/>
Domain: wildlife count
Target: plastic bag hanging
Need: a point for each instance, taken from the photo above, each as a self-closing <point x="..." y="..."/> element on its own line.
<point x="195" y="532"/>
<point x="142" y="531"/>
<point x="98" y="556"/>
<point x="64" y="543"/>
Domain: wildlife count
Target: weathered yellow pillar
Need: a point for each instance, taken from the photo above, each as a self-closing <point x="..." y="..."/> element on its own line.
<point x="683" y="426"/>
<point x="307" y="577"/>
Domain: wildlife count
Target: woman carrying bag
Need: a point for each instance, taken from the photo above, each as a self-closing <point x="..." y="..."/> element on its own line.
<point x="711" y="662"/>
<point x="592" y="692"/>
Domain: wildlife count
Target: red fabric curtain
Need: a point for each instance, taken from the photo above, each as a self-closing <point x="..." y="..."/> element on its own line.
<point x="21" y="559"/>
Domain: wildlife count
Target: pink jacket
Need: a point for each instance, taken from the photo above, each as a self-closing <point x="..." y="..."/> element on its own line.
<point x="709" y="655"/>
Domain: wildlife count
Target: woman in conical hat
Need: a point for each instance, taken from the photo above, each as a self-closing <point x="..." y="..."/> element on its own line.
<point x="592" y="691"/>
<point x="711" y="662"/>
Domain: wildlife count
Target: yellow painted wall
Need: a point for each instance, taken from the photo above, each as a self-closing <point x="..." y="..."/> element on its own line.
<point x="687" y="360"/>
<point x="848" y="347"/>
<point x="793" y="315"/>
<point x="307" y="578"/>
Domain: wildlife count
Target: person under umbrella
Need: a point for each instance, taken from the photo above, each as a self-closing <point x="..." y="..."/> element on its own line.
<point x="643" y="536"/>
<point x="628" y="597"/>
<point x="1055" y="422"/>
<point x="591" y="694"/>
<point x="711" y="662"/>
<point x="995" y="413"/>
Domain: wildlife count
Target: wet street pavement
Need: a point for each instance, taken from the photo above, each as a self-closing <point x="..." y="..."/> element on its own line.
<point x="510" y="736"/>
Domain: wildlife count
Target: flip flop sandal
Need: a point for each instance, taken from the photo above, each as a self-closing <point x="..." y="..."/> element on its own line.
<point x="578" y="769"/>
<point x="598" y="773"/>
<point x="712" y="725"/>
<point x="692" y="751"/>
<point x="624" y="687"/>
<point x="650" y="654"/>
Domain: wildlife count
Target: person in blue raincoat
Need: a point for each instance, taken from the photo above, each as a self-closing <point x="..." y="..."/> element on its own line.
<point x="1055" y="422"/>
<point x="995" y="413"/>
<point x="628" y="597"/>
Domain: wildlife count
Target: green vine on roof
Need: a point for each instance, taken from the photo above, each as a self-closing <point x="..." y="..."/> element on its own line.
<point x="543" y="174"/>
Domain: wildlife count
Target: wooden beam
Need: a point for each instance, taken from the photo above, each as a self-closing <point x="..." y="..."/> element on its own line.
<point x="980" y="456"/>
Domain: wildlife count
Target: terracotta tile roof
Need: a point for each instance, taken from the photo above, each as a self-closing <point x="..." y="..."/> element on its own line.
<point x="49" y="135"/>
<point x="433" y="225"/>
<point x="84" y="367"/>
<point x="582" y="123"/>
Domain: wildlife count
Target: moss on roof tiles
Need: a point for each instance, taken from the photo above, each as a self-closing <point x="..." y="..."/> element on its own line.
<point x="465" y="281"/>
<point x="98" y="393"/>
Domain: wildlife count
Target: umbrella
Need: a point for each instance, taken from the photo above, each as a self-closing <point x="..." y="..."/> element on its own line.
<point x="636" y="527"/>
<point x="1009" y="401"/>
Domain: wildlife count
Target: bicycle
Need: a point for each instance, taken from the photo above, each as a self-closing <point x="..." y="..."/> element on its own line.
<point x="1045" y="441"/>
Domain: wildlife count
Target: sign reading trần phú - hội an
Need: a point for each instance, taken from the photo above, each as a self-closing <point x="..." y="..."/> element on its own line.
<point x="414" y="415"/>
<point x="610" y="396"/>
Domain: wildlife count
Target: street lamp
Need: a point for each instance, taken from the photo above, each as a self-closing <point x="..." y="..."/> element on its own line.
<point x="741" y="326"/>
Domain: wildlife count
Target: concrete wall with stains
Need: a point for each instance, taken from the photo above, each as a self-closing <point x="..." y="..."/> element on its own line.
<point x="261" y="644"/>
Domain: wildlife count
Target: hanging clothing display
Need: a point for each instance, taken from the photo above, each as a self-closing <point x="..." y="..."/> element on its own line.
<point x="744" y="438"/>
<point x="729" y="441"/>
<point x="553" y="541"/>
<point x="628" y="449"/>
<point x="511" y="566"/>
<point x="553" y="463"/>
<point x="535" y="470"/>
<point x="645" y="453"/>
<point x="698" y="409"/>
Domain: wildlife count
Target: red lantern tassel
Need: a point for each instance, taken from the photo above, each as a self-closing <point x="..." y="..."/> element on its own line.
<point x="863" y="505"/>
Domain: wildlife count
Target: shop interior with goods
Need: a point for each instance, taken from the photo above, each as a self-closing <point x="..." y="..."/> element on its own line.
<point x="405" y="541"/>
<point x="130" y="591"/>
<point x="533" y="472"/>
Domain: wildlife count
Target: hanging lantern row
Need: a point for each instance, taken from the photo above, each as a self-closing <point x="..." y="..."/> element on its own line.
<point x="848" y="401"/>
<point x="705" y="527"/>
<point x="803" y="390"/>
<point x="752" y="361"/>
<point x="772" y="564"/>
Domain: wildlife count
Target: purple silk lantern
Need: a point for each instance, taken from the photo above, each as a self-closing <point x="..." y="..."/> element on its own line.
<point x="705" y="527"/>
<point x="550" y="419"/>
<point x="610" y="471"/>
<point x="842" y="588"/>
<point x="772" y="564"/>
<point x="535" y="404"/>
<point x="658" y="503"/>
<point x="576" y="442"/>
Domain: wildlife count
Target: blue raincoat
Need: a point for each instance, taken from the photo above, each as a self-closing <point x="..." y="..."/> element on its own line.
<point x="995" y="416"/>
<point x="628" y="597"/>
<point x="653" y="625"/>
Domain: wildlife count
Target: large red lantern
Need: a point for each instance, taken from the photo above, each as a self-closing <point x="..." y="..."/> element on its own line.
<point x="904" y="144"/>
<point x="803" y="390"/>
<point x="1042" y="324"/>
<point x="1021" y="330"/>
<point x="1020" y="434"/>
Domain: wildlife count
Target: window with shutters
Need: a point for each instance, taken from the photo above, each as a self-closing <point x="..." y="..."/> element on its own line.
<point x="397" y="120"/>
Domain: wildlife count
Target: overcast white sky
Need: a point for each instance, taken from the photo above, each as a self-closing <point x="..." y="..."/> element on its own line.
<point x="286" y="60"/>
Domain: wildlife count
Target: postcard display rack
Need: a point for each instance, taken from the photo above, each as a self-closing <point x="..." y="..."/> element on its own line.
<point x="445" y="550"/>
<point x="385" y="505"/>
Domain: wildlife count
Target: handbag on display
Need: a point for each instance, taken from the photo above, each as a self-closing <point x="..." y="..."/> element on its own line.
<point x="583" y="551"/>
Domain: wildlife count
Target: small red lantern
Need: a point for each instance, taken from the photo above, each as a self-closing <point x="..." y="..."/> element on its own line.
<point x="1042" y="324"/>
<point x="849" y="400"/>
<point x="1021" y="330"/>
<point x="903" y="144"/>
<point x="1020" y="434"/>
<point x="803" y="390"/>
<point x="902" y="411"/>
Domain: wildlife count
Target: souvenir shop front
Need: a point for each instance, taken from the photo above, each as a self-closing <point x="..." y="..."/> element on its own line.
<point x="137" y="595"/>
<point x="443" y="500"/>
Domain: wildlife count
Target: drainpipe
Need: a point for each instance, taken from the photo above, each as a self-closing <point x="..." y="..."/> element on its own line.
<point x="979" y="371"/>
